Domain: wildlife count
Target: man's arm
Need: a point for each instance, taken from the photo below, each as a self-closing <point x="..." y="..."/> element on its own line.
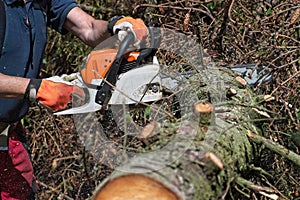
<point x="88" y="29"/>
<point x="54" y="95"/>
<point x="12" y="87"/>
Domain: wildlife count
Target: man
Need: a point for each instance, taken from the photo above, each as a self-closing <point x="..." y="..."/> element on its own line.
<point x="23" y="40"/>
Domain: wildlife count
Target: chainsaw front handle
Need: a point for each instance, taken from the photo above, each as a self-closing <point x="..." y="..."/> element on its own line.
<point x="124" y="45"/>
<point x="112" y="74"/>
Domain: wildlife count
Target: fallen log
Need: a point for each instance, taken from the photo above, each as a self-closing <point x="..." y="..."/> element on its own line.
<point x="206" y="152"/>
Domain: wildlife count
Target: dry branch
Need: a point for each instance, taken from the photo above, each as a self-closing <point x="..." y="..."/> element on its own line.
<point x="281" y="150"/>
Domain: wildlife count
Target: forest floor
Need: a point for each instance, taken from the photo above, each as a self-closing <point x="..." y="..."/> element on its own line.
<point x="260" y="32"/>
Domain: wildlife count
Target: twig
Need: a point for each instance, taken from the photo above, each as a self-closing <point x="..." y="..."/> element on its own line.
<point x="281" y="150"/>
<point x="282" y="55"/>
<point x="242" y="192"/>
<point x="288" y="47"/>
<point x="172" y="7"/>
<point x="54" y="141"/>
<point x="85" y="163"/>
<point x="79" y="190"/>
<point x="252" y="186"/>
<point x="284" y="82"/>
<point x="228" y="186"/>
<point x="288" y="37"/>
<point x="54" y="190"/>
<point x="247" y="10"/>
<point x="229" y="12"/>
<point x="283" y="11"/>
<point x="275" y="189"/>
<point x="270" y="192"/>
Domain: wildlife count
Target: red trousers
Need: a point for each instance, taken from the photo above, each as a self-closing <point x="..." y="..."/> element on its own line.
<point x="16" y="171"/>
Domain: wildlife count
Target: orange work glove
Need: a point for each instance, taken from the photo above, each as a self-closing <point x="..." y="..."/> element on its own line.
<point x="118" y="23"/>
<point x="54" y="95"/>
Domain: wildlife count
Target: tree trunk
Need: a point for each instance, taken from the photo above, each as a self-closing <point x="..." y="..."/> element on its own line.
<point x="205" y="152"/>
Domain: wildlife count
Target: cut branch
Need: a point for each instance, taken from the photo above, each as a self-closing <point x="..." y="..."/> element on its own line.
<point x="281" y="150"/>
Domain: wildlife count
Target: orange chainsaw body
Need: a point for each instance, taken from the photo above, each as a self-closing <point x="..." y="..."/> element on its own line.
<point x="99" y="63"/>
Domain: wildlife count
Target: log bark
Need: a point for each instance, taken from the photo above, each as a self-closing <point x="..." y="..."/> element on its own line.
<point x="205" y="153"/>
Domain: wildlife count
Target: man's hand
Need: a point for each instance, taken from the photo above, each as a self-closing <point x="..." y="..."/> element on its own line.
<point x="119" y="24"/>
<point x="54" y="95"/>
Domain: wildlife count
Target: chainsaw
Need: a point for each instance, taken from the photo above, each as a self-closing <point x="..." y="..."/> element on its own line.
<point x="114" y="75"/>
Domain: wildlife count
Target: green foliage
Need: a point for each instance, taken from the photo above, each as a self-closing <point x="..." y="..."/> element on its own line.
<point x="211" y="5"/>
<point x="269" y="11"/>
<point x="64" y="54"/>
<point x="147" y="111"/>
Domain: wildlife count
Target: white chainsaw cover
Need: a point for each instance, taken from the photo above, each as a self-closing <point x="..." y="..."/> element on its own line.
<point x="138" y="85"/>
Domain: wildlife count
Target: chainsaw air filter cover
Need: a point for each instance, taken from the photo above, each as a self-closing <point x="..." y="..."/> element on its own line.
<point x="98" y="64"/>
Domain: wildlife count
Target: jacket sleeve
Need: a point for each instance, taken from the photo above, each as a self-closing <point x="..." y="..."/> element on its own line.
<point x="57" y="13"/>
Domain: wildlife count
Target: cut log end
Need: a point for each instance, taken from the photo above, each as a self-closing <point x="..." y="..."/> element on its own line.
<point x="148" y="130"/>
<point x="217" y="161"/>
<point x="203" y="108"/>
<point x="231" y="92"/>
<point x="241" y="81"/>
<point x="135" y="187"/>
<point x="205" y="113"/>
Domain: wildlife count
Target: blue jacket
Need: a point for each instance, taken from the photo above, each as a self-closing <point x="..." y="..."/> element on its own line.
<point x="24" y="43"/>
